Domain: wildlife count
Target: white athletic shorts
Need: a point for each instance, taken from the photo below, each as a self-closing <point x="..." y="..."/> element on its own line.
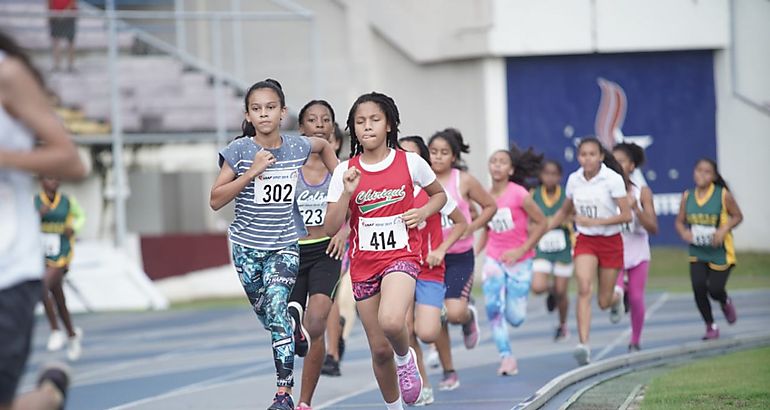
<point x="562" y="270"/>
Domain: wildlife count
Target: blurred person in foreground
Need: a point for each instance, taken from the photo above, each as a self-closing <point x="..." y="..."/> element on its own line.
<point x="32" y="141"/>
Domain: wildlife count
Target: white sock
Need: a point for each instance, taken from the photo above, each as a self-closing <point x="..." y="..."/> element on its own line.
<point x="619" y="290"/>
<point x="401" y="360"/>
<point x="396" y="405"/>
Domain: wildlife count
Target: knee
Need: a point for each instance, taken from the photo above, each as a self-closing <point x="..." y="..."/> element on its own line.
<point x="584" y="291"/>
<point x="605" y="301"/>
<point x="457" y="315"/>
<point x="391" y="324"/>
<point x="716" y="292"/>
<point x="428" y="333"/>
<point x="381" y="354"/>
<point x="515" y="316"/>
<point x="315" y="325"/>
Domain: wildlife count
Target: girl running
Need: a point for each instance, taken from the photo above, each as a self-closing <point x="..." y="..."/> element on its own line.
<point x="636" y="242"/>
<point x="509" y="239"/>
<point x="377" y="187"/>
<point x="707" y="215"/>
<point x="446" y="148"/>
<point x="597" y="193"/>
<point x="424" y="317"/>
<point x="318" y="253"/>
<point x="554" y="251"/>
<point x="260" y="171"/>
<point x="61" y="219"/>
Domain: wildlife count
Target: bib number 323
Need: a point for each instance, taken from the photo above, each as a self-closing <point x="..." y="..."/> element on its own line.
<point x="275" y="187"/>
<point x="382" y="234"/>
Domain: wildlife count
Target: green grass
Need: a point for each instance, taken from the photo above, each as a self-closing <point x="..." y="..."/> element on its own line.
<point x="214" y="303"/>
<point x="734" y="381"/>
<point x="669" y="270"/>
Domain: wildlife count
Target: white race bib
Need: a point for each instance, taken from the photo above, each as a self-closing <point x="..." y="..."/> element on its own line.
<point x="502" y="221"/>
<point x="313" y="213"/>
<point x="703" y="235"/>
<point x="587" y="208"/>
<point x="52" y="244"/>
<point x="553" y="241"/>
<point x="381" y="234"/>
<point x="8" y="216"/>
<point x="275" y="186"/>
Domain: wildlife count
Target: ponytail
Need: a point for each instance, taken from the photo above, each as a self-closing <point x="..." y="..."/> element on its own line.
<point x="718" y="179"/>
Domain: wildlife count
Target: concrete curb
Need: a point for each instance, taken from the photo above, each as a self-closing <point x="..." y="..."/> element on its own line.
<point x="559" y="383"/>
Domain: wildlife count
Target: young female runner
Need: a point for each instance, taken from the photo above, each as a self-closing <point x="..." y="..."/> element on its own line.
<point x="377" y="187"/>
<point x="597" y="193"/>
<point x="446" y="148"/>
<point x="636" y="242"/>
<point x="260" y="171"/>
<point x="707" y="215"/>
<point x="509" y="239"/>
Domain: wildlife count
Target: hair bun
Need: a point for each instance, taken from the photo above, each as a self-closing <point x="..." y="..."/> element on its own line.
<point x="274" y="82"/>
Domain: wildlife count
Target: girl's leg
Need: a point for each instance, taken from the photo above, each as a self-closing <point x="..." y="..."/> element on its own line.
<point x="494" y="295"/>
<point x="561" y="285"/>
<point x="315" y="322"/>
<point x="333" y="332"/>
<point x="415" y="344"/>
<point x="607" y="295"/>
<point x="717" y="281"/>
<point x="382" y="353"/>
<point x="346" y="304"/>
<point x="699" y="276"/>
<point x="637" y="281"/>
<point x="517" y="282"/>
<point x="539" y="282"/>
<point x="52" y="278"/>
<point x="61" y="306"/>
<point x="427" y="322"/>
<point x="444" y="348"/>
<point x="586" y="266"/>
<point x="397" y="294"/>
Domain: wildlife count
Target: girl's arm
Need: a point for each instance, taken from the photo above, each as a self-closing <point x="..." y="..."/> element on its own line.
<point x="482" y="242"/>
<point x="623" y="217"/>
<point x="322" y="147"/>
<point x="336" y="248"/>
<point x="227" y="186"/>
<point x="735" y="217"/>
<point x="537" y="228"/>
<point x="566" y="210"/>
<point x="681" y="219"/>
<point x="336" y="211"/>
<point x="24" y="99"/>
<point x="647" y="217"/>
<point x="416" y="216"/>
<point x="478" y="194"/>
<point x="460" y="225"/>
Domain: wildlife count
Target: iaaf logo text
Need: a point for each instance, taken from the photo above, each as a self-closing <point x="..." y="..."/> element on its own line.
<point x="384" y="197"/>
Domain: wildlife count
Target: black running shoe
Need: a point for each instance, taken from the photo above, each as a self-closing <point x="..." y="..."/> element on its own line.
<point x="550" y="302"/>
<point x="282" y="401"/>
<point x="331" y="367"/>
<point x="301" y="337"/>
<point x="341" y="343"/>
<point x="633" y="348"/>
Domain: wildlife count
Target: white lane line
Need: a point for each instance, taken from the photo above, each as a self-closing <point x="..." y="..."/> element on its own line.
<point x="203" y="385"/>
<point x="328" y="404"/>
<point x="623" y="336"/>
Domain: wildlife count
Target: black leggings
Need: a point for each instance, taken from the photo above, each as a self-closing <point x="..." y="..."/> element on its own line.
<point x="708" y="282"/>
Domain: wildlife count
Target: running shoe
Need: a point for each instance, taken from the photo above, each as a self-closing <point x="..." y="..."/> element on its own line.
<point x="331" y="367"/>
<point x="728" y="308"/>
<point x="712" y="332"/>
<point x="57" y="374"/>
<point x="341" y="343"/>
<point x="74" y="348"/>
<point x="409" y="379"/>
<point x="508" y="367"/>
<point x="282" y="401"/>
<point x="450" y="382"/>
<point x="301" y="337"/>
<point x="615" y="315"/>
<point x="56" y="340"/>
<point x="303" y="406"/>
<point x="432" y="359"/>
<point x="550" y="301"/>
<point x="582" y="354"/>
<point x="471" y="334"/>
<point x="634" y="347"/>
<point x="626" y="303"/>
<point x="426" y="397"/>
<point x="562" y="333"/>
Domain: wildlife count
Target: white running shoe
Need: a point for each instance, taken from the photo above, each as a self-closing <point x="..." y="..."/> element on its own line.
<point x="74" y="348"/>
<point x="582" y="354"/>
<point x="616" y="308"/>
<point x="426" y="397"/>
<point x="56" y="340"/>
<point x="432" y="359"/>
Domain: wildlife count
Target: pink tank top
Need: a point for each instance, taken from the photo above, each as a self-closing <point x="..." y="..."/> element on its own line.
<point x="453" y="190"/>
<point x="508" y="228"/>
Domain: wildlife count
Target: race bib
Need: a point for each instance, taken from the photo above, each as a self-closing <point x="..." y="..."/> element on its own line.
<point x="275" y="186"/>
<point x="313" y="213"/>
<point x="587" y="208"/>
<point x="7" y="216"/>
<point x="502" y="221"/>
<point x="553" y="241"/>
<point x="381" y="234"/>
<point x="703" y="235"/>
<point x="52" y="244"/>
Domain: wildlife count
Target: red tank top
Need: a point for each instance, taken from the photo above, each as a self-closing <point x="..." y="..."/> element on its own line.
<point x="432" y="236"/>
<point x="378" y="236"/>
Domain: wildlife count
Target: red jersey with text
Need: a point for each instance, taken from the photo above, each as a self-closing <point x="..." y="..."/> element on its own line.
<point x="379" y="235"/>
<point x="432" y="236"/>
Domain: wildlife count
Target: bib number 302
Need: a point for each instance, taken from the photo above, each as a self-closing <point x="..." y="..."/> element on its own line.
<point x="275" y="187"/>
<point x="382" y="234"/>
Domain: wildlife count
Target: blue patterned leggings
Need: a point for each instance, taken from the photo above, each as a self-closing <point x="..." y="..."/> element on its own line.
<point x="268" y="278"/>
<point x="505" y="290"/>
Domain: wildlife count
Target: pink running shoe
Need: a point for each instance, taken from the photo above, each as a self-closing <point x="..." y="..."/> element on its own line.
<point x="508" y="367"/>
<point x="471" y="334"/>
<point x="409" y="379"/>
<point x="728" y="308"/>
<point x="712" y="332"/>
<point x="303" y="406"/>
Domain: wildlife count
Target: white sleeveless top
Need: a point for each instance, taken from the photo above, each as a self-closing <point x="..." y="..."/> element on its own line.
<point x="21" y="252"/>
<point x="636" y="241"/>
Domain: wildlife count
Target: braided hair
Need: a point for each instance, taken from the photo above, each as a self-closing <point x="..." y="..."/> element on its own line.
<point x="388" y="107"/>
